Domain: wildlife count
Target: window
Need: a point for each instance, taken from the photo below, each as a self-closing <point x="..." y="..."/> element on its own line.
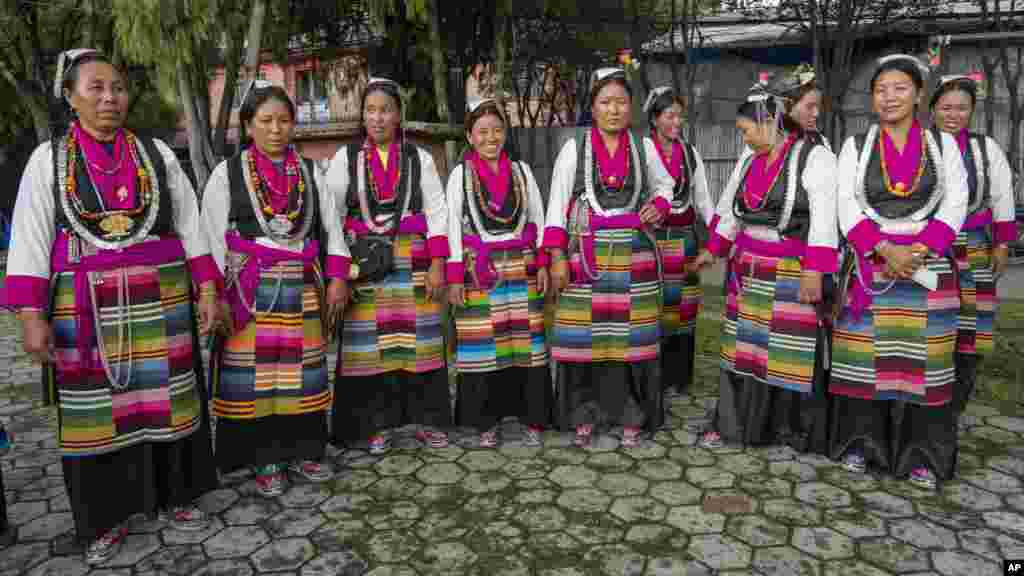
<point x="309" y="87"/>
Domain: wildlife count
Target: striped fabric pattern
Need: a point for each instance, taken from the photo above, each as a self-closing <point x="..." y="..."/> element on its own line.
<point x="976" y="322"/>
<point x="503" y="327"/>
<point x="153" y="355"/>
<point x="391" y="326"/>
<point x="681" y="292"/>
<point x="615" y="319"/>
<point x="276" y="365"/>
<point x="902" y="347"/>
<point x="768" y="334"/>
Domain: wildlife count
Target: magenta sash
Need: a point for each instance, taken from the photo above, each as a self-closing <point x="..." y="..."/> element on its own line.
<point x="260" y="258"/>
<point x="486" y="275"/>
<point x="686" y="218"/>
<point x="598" y="222"/>
<point x="860" y="299"/>
<point x="979" y="219"/>
<point x="786" y="248"/>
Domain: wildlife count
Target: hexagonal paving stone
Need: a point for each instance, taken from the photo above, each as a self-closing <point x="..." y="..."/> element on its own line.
<point x="648" y="533"/>
<point x="970" y="497"/>
<point x="694" y="520"/>
<point x="542" y="496"/>
<point x="823" y="543"/>
<point x="15" y="559"/>
<point x="483" y="460"/>
<point x="498" y="539"/>
<point x="1008" y="464"/>
<point x="956" y="563"/>
<point x="226" y="567"/>
<point x="585" y="500"/>
<point x="174" y="537"/>
<point x="345" y="506"/>
<point x="398" y="514"/>
<point x="447" y="558"/>
<point x="659" y="470"/>
<point x="823" y="495"/>
<point x="992" y="481"/>
<point x="990" y="544"/>
<point x="396" y="487"/>
<point x="1007" y="423"/>
<point x="67" y="566"/>
<point x="292" y="523"/>
<point x="235" y="541"/>
<point x="343" y="563"/>
<point x="622" y="484"/>
<point x="789" y="511"/>
<point x="692" y="456"/>
<point x="391" y="571"/>
<point x="616" y="560"/>
<point x="251" y="511"/>
<point x="886" y="505"/>
<point x="710" y="477"/>
<point x="284" y="554"/>
<point x="573" y="477"/>
<point x="542" y="518"/>
<point x="647" y="450"/>
<point x="547" y="546"/>
<point x="757" y="531"/>
<point x="720" y="552"/>
<point x="856" y="523"/>
<point x="763" y="486"/>
<point x="398" y="465"/>
<point x="676" y="493"/>
<point x="610" y="461"/>
<point x="743" y="464"/>
<point x="678" y="566"/>
<point x="565" y="455"/>
<point x="602" y="530"/>
<point x="527" y="468"/>
<point x="217" y="501"/>
<point x="785" y="560"/>
<point x="793" y="470"/>
<point x="441" y="525"/>
<point x="392" y="546"/>
<point x="134" y="549"/>
<point x="307" y="495"/>
<point x="632" y="509"/>
<point x="483" y="482"/>
<point x="22" y="512"/>
<point x="46" y="527"/>
<point x="1009" y="521"/>
<point x="923" y="534"/>
<point x="995" y="435"/>
<point x="893" y="555"/>
<point x="847" y="568"/>
<point x="173" y="561"/>
<point x="348" y="480"/>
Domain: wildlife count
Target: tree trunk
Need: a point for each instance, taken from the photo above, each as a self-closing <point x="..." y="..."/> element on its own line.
<point x="438" y="63"/>
<point x="501" y="51"/>
<point x="231" y="69"/>
<point x="253" y="46"/>
<point x="40" y="119"/>
<point x="196" y="133"/>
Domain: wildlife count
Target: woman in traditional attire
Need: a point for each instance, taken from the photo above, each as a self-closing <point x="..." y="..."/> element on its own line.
<point x="802" y="97"/>
<point x="679" y="235"/>
<point x="778" y="210"/>
<point x="267" y="214"/>
<point x="497" y="280"/>
<point x="902" y="197"/>
<point x="605" y="271"/>
<point x="391" y="363"/>
<point x="980" y="247"/>
<point x="106" y="259"/>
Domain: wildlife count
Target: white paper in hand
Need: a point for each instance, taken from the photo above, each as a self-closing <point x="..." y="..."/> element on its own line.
<point x="927" y="278"/>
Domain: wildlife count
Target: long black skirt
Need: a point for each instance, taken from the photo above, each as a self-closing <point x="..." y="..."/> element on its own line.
<point x="367" y="405"/>
<point x="678" y="362"/>
<point x="966" y="379"/>
<point x="609" y="394"/>
<point x="270" y="440"/>
<point x="896" y="436"/>
<point x="756" y="414"/>
<point x="484" y="398"/>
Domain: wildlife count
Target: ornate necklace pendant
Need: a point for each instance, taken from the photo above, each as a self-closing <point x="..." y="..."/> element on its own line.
<point x="115" y="226"/>
<point x="122" y="194"/>
<point x="280" y="225"/>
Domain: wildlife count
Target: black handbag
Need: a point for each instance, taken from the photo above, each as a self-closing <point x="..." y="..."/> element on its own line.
<point x="373" y="258"/>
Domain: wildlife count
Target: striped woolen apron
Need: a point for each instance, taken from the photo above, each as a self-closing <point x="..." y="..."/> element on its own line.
<point x="901" y="346"/>
<point x="767" y="333"/>
<point x="681" y="291"/>
<point x="144" y="319"/>
<point x="276" y="365"/>
<point x="614" y="318"/>
<point x="390" y="326"/>
<point x="976" y="321"/>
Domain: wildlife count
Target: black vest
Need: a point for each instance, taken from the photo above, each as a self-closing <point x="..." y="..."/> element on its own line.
<point x="683" y="191"/>
<point x="164" y="224"/>
<point x="887" y="204"/>
<point x="242" y="213"/>
<point x="615" y="198"/>
<point x="408" y="184"/>
<point x="770" y="213"/>
<point x="509" y="211"/>
<point x="978" y="196"/>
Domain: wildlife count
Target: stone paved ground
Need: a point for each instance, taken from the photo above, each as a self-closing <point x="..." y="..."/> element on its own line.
<point x="668" y="508"/>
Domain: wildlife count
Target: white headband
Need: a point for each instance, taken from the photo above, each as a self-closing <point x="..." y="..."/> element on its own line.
<point x="67" y="59"/>
<point x="653" y="95"/>
<point x="254" y="84"/>
<point x="925" y="71"/>
<point x="473" y="103"/>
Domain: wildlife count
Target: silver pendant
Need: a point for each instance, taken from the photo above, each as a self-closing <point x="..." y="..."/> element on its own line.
<point x="280" y="225"/>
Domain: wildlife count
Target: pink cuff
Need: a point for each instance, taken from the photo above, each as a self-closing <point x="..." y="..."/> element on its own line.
<point x="937" y="236"/>
<point x="455" y="272"/>
<point x="204" y="269"/>
<point x="25" y="292"/>
<point x="338" y="267"/>
<point x="1003" y="232"/>
<point x="438" y="247"/>
<point x="555" y="237"/>
<point x="719" y="245"/>
<point x="865" y="236"/>
<point x="820" y="259"/>
<point x="663" y="206"/>
<point x="542" y="259"/>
